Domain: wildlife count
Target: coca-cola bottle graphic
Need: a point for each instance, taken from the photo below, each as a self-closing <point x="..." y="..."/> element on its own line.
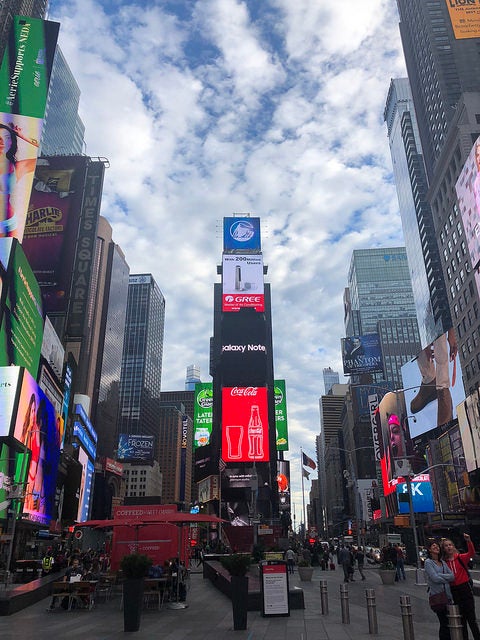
<point x="255" y="434"/>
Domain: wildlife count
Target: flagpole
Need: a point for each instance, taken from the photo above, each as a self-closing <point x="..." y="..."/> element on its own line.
<point x="303" y="496"/>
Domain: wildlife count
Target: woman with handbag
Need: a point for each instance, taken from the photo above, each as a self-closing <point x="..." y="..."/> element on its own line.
<point x="462" y="591"/>
<point x="438" y="577"/>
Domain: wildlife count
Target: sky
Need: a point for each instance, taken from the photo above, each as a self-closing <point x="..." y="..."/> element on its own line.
<point x="205" y="108"/>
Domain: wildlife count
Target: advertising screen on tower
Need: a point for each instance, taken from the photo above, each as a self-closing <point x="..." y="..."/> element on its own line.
<point x="281" y="424"/>
<point x="468" y="197"/>
<point x="202" y="414"/>
<point x="468" y="413"/>
<point x="21" y="317"/>
<point x="241" y="234"/>
<point x="362" y="354"/>
<point x="24" y="80"/>
<point x="433" y="403"/>
<point x="135" y="448"/>
<point x="245" y="424"/>
<point x="465" y="18"/>
<point x="37" y="427"/>
<point x="52" y="224"/>
<point x="242" y="282"/>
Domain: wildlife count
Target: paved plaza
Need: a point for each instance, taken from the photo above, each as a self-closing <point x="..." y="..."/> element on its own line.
<point x="209" y="615"/>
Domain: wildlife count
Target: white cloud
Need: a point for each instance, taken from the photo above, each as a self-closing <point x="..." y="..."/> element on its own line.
<point x="275" y="109"/>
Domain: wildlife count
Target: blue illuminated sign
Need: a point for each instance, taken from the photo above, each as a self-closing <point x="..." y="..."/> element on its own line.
<point x="241" y="234"/>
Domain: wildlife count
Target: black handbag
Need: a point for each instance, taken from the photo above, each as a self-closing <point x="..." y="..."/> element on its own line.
<point x="438" y="601"/>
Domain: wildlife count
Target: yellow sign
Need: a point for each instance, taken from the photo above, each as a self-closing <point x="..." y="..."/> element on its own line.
<point x="465" y="18"/>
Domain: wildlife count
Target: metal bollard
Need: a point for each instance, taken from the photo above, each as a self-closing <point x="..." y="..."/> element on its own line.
<point x="407" y="618"/>
<point x="344" y="603"/>
<point x="371" y="611"/>
<point x="454" y="622"/>
<point x="324" y="597"/>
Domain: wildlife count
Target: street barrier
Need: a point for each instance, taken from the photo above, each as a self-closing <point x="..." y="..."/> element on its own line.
<point x="324" y="597"/>
<point x="454" y="622"/>
<point x="344" y="604"/>
<point x="371" y="612"/>
<point x="407" y="618"/>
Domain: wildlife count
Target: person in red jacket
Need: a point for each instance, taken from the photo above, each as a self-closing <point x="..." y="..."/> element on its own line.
<point x="462" y="591"/>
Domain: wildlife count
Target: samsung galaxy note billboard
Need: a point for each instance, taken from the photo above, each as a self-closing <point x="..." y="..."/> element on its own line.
<point x="242" y="282"/>
<point x="241" y="234"/>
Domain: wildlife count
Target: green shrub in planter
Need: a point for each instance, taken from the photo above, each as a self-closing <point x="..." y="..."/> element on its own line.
<point x="237" y="564"/>
<point x="135" y="565"/>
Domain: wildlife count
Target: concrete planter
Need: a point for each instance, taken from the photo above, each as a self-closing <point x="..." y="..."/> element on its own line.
<point x="305" y="573"/>
<point x="387" y="576"/>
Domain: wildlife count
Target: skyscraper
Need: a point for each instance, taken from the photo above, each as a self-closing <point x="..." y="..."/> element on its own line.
<point x="381" y="298"/>
<point x="141" y="374"/>
<point x="442" y="64"/>
<point x="10" y="8"/>
<point x="433" y="313"/>
<point x="330" y="377"/>
<point x="63" y="129"/>
<point x="192" y="377"/>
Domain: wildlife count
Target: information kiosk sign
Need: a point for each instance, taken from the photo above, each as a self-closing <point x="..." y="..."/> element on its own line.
<point x="274" y="584"/>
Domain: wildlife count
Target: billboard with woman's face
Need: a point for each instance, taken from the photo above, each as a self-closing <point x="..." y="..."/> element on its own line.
<point x="36" y="427"/>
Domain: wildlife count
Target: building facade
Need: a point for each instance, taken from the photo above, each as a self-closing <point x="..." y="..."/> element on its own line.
<point x="142" y="357"/>
<point x="330" y="377"/>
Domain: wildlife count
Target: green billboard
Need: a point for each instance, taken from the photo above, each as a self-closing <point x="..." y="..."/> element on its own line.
<point x="202" y="414"/>
<point x="281" y="415"/>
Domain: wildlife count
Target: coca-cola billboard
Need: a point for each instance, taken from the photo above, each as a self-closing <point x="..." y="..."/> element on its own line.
<point x="245" y="424"/>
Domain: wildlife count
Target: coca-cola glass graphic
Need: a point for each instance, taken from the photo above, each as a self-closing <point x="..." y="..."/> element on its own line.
<point x="234" y="435"/>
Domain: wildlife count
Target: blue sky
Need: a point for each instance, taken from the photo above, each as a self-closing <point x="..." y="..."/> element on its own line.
<point x="209" y="107"/>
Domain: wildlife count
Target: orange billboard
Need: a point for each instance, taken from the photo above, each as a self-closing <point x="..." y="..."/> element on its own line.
<point x="465" y="18"/>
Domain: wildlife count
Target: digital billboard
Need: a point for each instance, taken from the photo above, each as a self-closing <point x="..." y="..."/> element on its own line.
<point x="243" y="348"/>
<point x="242" y="282"/>
<point x="468" y="413"/>
<point x="433" y="386"/>
<point x="281" y="424"/>
<point x="422" y="496"/>
<point x="135" y="448"/>
<point x="9" y="377"/>
<point x="362" y="354"/>
<point x="88" y="471"/>
<point x="468" y="198"/>
<point x="202" y="414"/>
<point x="283" y="484"/>
<point x="465" y="18"/>
<point x="37" y="427"/>
<point x="52" y="226"/>
<point x="13" y="475"/>
<point x="24" y="79"/>
<point x="241" y="234"/>
<point x="398" y="457"/>
<point x="245" y="424"/>
<point x="21" y="317"/>
<point x="52" y="349"/>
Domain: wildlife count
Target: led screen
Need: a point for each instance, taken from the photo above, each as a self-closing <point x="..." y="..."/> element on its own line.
<point x="469" y="423"/>
<point x="281" y="423"/>
<point x="88" y="470"/>
<point x="202" y="414"/>
<point x="37" y="428"/>
<point x="21" y="328"/>
<point x="24" y="79"/>
<point x="135" y="448"/>
<point x="283" y="483"/>
<point x="465" y="18"/>
<point x="245" y="424"/>
<point x="422" y="496"/>
<point x="362" y="354"/>
<point x="241" y="234"/>
<point x="429" y="406"/>
<point x="242" y="282"/>
<point x="8" y="391"/>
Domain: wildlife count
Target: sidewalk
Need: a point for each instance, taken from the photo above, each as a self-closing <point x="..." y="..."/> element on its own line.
<point x="209" y="616"/>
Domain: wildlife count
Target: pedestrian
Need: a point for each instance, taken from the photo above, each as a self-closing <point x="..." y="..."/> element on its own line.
<point x="290" y="558"/>
<point x="360" y="558"/>
<point x="47" y="562"/>
<point x="461" y="586"/>
<point x="400" y="575"/>
<point x="345" y="559"/>
<point x="439" y="577"/>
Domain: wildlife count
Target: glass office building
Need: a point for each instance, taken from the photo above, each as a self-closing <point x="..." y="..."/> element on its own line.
<point x="142" y="357"/>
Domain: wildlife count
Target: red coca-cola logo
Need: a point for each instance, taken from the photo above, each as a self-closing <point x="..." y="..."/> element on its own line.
<point x="244" y="391"/>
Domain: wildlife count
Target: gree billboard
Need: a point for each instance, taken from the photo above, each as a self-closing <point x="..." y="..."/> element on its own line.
<point x="242" y="282"/>
<point x="24" y="79"/>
